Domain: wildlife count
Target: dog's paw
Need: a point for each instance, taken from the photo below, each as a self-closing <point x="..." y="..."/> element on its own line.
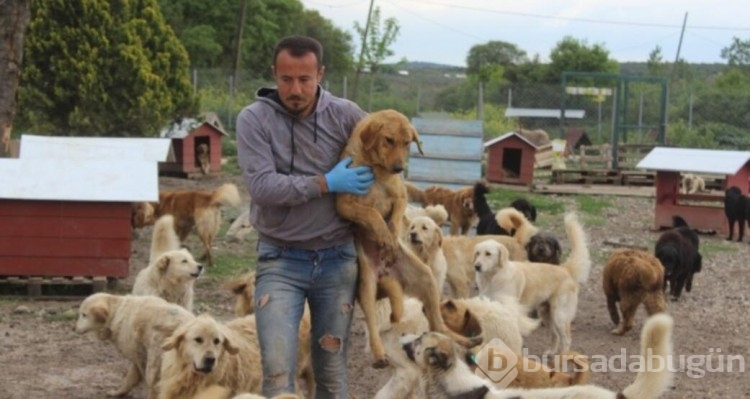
<point x="380" y="363"/>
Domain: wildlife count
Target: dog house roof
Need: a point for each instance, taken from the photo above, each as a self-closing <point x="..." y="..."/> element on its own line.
<point x="694" y="160"/>
<point x="113" y="149"/>
<point x="507" y="136"/>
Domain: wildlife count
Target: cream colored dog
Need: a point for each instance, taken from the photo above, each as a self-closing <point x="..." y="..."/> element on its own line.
<point x="537" y="284"/>
<point x="171" y="273"/>
<point x="204" y="352"/>
<point x="459" y="254"/>
<point x="437" y="213"/>
<point x="444" y="374"/>
<point x="512" y="219"/>
<point x="426" y="240"/>
<point x="136" y="326"/>
<point x="692" y="183"/>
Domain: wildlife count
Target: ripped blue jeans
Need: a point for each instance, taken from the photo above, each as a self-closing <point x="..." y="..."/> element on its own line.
<point x="285" y="277"/>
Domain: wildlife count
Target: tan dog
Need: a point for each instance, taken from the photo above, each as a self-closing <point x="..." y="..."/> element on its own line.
<point x="459" y="204"/>
<point x="244" y="291"/>
<point x="381" y="141"/>
<point x="204" y="159"/>
<point x="537" y="284"/>
<point x="435" y="212"/>
<point x="512" y="219"/>
<point x="692" y="183"/>
<point x="632" y="277"/>
<point x="426" y="240"/>
<point x="172" y="272"/>
<point x="459" y="253"/>
<point x="203" y="352"/>
<point x="444" y="374"/>
<point x="201" y="209"/>
<point x="136" y="326"/>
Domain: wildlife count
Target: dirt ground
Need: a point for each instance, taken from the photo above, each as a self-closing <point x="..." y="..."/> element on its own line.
<point x="44" y="358"/>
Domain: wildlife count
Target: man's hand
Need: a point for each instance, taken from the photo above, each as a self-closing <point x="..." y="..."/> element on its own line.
<point x="343" y="179"/>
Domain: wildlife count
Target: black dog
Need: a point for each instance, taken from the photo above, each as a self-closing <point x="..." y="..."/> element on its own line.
<point x="544" y="247"/>
<point x="487" y="223"/>
<point x="735" y="209"/>
<point x="677" y="250"/>
<point x="526" y="208"/>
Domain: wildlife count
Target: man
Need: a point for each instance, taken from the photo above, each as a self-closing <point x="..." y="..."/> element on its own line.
<point x="289" y="142"/>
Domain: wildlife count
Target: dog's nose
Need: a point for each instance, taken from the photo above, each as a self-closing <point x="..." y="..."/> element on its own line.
<point x="398" y="169"/>
<point x="200" y="268"/>
<point x="209" y="362"/>
<point x="478" y="267"/>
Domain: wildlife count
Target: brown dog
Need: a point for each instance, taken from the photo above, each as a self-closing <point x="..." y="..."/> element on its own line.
<point x="201" y="209"/>
<point x="630" y="277"/>
<point x="381" y="141"/>
<point x="204" y="160"/>
<point x="459" y="204"/>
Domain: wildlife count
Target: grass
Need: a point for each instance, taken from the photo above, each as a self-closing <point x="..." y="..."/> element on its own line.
<point x="499" y="198"/>
<point x="592" y="207"/>
<point x="232" y="167"/>
<point x="231" y="264"/>
<point x="711" y="247"/>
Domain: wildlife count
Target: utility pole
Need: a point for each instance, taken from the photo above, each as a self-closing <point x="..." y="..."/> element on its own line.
<point x="238" y="41"/>
<point x="355" y="84"/>
<point x="679" y="46"/>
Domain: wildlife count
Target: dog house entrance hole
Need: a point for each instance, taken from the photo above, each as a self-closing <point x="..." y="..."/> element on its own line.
<point x="203" y="153"/>
<point x="512" y="161"/>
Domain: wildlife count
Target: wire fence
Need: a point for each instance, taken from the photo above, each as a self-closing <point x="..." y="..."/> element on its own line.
<point x="718" y="118"/>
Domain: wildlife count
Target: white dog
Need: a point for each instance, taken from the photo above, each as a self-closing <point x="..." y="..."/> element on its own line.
<point x="537" y="284"/>
<point x="426" y="240"/>
<point x="172" y="271"/>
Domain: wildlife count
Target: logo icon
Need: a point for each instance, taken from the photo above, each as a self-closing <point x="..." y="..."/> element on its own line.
<point x="496" y="365"/>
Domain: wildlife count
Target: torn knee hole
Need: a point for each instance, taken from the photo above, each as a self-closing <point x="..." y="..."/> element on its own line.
<point x="276" y="378"/>
<point x="330" y="343"/>
<point x="263" y="300"/>
<point x="346" y="308"/>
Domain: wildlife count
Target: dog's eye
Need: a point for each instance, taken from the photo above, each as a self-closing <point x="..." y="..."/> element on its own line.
<point x="424" y="228"/>
<point x="217" y="341"/>
<point x="390" y="141"/>
<point x="487" y="253"/>
<point x="199" y="340"/>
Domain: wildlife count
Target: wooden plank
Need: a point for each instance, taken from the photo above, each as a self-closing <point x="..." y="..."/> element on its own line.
<point x="436" y="145"/>
<point x="44" y="267"/>
<point x="64" y="247"/>
<point x="448" y="127"/>
<point x="24" y="226"/>
<point x="43" y="208"/>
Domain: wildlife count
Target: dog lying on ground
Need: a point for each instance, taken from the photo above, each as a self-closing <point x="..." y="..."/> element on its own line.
<point x="632" y="277"/>
<point x="435" y="212"/>
<point x="201" y="209"/>
<point x="735" y="209"/>
<point x="381" y="141"/>
<point x="692" y="183"/>
<point x="537" y="284"/>
<point x="136" y="326"/>
<point x="172" y="271"/>
<point x="459" y="254"/>
<point x="540" y="246"/>
<point x="458" y="203"/>
<point x="677" y="250"/>
<point x="244" y="290"/>
<point x="444" y="374"/>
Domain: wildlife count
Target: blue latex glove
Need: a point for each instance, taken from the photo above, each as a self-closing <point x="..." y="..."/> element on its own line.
<point x="343" y="179"/>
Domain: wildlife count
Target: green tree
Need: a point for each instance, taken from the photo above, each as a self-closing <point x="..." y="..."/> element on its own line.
<point x="737" y="53"/>
<point x="337" y="44"/>
<point x="103" y="67"/>
<point x="492" y="59"/>
<point x="655" y="63"/>
<point x="377" y="39"/>
<point x="14" y="18"/>
<point x="578" y="56"/>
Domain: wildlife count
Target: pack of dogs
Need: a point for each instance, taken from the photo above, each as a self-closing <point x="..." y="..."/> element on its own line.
<point x="431" y="300"/>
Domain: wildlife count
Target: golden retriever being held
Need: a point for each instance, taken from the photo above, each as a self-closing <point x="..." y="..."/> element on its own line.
<point x="381" y="141"/>
<point x="136" y="326"/>
<point x="201" y="209"/>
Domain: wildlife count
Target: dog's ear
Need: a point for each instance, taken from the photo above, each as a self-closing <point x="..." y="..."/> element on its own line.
<point x="370" y="135"/>
<point x="175" y="340"/>
<point x="438" y="358"/>
<point x="237" y="286"/>
<point x="415" y="139"/>
<point x="472" y="328"/>
<point x="99" y="313"/>
<point x="229" y="346"/>
<point x="162" y="263"/>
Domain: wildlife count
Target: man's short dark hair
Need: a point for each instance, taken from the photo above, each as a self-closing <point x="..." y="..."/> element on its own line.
<point x="298" y="46"/>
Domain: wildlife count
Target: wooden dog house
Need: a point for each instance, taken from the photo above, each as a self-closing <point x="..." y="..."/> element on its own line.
<point x="187" y="141"/>
<point x="700" y="210"/>
<point x="65" y="205"/>
<point x="510" y="159"/>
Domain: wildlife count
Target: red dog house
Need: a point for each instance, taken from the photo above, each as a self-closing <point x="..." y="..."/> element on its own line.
<point x="65" y="215"/>
<point x="510" y="159"/>
<point x="188" y="141"/>
<point x="702" y="211"/>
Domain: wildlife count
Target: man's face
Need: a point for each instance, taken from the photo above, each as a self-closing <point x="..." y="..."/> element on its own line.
<point x="297" y="80"/>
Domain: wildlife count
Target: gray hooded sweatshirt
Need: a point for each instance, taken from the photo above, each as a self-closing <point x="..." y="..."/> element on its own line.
<point x="282" y="158"/>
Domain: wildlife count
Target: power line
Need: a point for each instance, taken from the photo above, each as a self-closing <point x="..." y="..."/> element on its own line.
<point x="448" y="27"/>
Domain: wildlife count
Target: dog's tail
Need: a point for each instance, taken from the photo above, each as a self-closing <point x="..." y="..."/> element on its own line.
<point x="481" y="207"/>
<point x="526" y="324"/>
<point x="414" y="193"/>
<point x="654" y="376"/>
<point x="437" y="213"/>
<point x="578" y="263"/>
<point x="226" y="194"/>
<point x="164" y="238"/>
<point x="678" y="221"/>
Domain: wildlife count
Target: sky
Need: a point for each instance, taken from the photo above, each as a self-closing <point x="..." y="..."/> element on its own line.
<point x="443" y="31"/>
